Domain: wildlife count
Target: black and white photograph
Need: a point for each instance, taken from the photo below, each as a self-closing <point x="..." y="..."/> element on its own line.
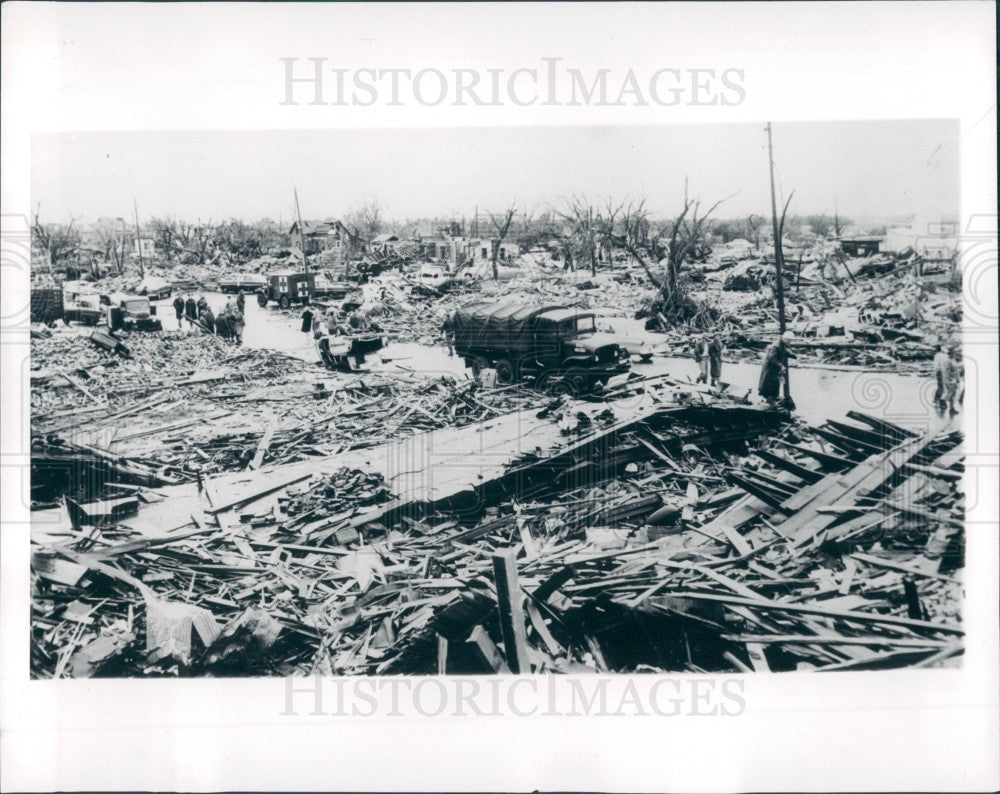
<point x="467" y="375"/>
<point x="651" y="414"/>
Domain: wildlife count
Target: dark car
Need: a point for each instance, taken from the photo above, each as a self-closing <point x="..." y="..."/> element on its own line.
<point x="555" y="345"/>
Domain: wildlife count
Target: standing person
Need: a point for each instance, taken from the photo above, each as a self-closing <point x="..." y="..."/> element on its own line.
<point x="940" y="364"/>
<point x="179" y="309"/>
<point x="191" y="308"/>
<point x="241" y="302"/>
<point x="701" y="356"/>
<point x="203" y="306"/>
<point x="208" y="319"/>
<point x="773" y="369"/>
<point x="448" y="329"/>
<point x="958" y="373"/>
<point x="951" y="381"/>
<point x="223" y="326"/>
<point x="236" y="326"/>
<point x="332" y="321"/>
<point x="715" y="359"/>
<point x="307" y="320"/>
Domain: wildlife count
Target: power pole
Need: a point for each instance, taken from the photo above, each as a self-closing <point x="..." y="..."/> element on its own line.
<point x="138" y="239"/>
<point x="302" y="237"/>
<point x="778" y="263"/>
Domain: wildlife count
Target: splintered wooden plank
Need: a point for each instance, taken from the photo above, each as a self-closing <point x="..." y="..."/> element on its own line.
<point x="442" y="655"/>
<point x="488" y="650"/>
<point x="509" y="599"/>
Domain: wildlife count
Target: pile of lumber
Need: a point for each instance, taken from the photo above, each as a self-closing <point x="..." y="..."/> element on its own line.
<point x="694" y="539"/>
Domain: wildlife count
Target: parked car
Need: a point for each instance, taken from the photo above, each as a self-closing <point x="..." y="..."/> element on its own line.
<point x="631" y="334"/>
<point x="347" y="295"/>
<point x="154" y="288"/>
<point x="434" y="278"/>
<point x="286" y="287"/>
<point x="560" y="347"/>
<point x="81" y="303"/>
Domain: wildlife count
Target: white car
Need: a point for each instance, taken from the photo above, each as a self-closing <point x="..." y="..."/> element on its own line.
<point x="434" y="277"/>
<point x="630" y="334"/>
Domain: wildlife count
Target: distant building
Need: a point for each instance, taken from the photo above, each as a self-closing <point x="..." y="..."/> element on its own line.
<point x="144" y="247"/>
<point x="931" y="237"/>
<point x="861" y="245"/>
<point x="322" y="236"/>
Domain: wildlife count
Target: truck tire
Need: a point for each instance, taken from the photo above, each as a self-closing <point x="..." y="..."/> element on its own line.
<point x="261" y="299"/>
<point x="579" y="381"/>
<point x="506" y="372"/>
<point x="284" y="302"/>
<point x="554" y="385"/>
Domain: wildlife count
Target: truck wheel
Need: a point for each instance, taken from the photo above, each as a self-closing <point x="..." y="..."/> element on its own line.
<point x="506" y="372"/>
<point x="284" y="302"/>
<point x="579" y="381"/>
<point x="261" y="299"/>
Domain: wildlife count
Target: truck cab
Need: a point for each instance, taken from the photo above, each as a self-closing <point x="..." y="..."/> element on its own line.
<point x="131" y="313"/>
<point x="558" y="347"/>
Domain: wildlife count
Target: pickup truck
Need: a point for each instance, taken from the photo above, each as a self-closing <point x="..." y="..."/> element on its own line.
<point x="559" y="347"/>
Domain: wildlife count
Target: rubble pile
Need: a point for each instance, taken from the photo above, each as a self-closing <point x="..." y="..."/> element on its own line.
<point x="698" y="540"/>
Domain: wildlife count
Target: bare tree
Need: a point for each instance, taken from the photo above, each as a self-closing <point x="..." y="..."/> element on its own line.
<point x="113" y="240"/>
<point x="366" y="221"/>
<point x="753" y="229"/>
<point x="501" y="228"/>
<point x="165" y="236"/>
<point x="61" y="242"/>
<point x="584" y="228"/>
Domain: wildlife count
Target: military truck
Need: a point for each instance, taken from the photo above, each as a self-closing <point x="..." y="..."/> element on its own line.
<point x="286" y="287"/>
<point x="131" y="313"/>
<point x="558" y="347"/>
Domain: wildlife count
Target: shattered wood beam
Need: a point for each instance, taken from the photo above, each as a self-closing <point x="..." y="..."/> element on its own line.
<point x="843" y="614"/>
<point x="489" y="652"/>
<point x="515" y="641"/>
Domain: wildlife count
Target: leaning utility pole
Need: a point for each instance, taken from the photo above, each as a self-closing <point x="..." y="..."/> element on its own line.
<point x="302" y="237"/>
<point x="138" y="239"/>
<point x="778" y="263"/>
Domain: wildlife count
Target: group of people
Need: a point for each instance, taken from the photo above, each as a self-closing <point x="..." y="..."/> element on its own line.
<point x="229" y="322"/>
<point x="708" y="354"/>
<point x="708" y="349"/>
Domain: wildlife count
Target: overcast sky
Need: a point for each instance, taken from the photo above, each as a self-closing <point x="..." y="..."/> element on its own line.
<point x="870" y="169"/>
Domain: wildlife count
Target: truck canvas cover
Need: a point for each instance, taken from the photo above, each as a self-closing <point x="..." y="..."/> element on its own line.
<point x="497" y="325"/>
